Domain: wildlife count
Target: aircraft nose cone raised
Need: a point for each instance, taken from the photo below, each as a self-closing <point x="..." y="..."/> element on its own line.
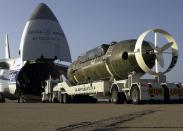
<point x="43" y="12"/>
<point x="43" y="37"/>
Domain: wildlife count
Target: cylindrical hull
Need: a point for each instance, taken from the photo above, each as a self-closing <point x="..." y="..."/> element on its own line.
<point x="117" y="62"/>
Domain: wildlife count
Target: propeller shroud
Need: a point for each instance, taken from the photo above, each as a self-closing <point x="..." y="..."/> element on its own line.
<point x="158" y="52"/>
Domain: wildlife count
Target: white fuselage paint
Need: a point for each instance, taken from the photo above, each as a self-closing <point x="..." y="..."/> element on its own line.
<point x="8" y="77"/>
<point x="40" y="38"/>
<point x="44" y="38"/>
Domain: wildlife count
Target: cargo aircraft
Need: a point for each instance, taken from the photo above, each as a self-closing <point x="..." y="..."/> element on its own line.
<point x="43" y="47"/>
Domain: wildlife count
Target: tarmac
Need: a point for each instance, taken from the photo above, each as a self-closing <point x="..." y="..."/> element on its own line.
<point x="90" y="117"/>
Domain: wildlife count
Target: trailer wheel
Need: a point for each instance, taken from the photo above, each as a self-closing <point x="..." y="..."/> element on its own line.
<point x="117" y="97"/>
<point x="2" y="98"/>
<point x="66" y="98"/>
<point x="60" y="97"/>
<point x="114" y="96"/>
<point x="121" y="98"/>
<point x="21" y="98"/>
<point x="166" y="94"/>
<point x="135" y="95"/>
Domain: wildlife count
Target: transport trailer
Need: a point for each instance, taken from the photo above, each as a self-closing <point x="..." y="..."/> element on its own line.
<point x="114" y="71"/>
<point x="131" y="90"/>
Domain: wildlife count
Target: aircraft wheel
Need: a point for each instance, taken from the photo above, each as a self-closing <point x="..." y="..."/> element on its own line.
<point x="135" y="95"/>
<point x="2" y="98"/>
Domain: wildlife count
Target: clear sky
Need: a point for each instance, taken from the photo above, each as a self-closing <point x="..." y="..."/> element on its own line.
<point x="89" y="23"/>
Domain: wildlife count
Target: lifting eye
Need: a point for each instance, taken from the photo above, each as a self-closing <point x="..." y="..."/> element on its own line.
<point x="125" y="55"/>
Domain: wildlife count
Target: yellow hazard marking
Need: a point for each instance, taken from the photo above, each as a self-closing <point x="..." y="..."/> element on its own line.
<point x="176" y="91"/>
<point x="155" y="91"/>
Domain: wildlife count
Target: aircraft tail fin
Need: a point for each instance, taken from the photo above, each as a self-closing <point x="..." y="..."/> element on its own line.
<point x="7" y="49"/>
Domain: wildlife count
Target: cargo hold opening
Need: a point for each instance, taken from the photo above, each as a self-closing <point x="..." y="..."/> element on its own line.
<point x="32" y="76"/>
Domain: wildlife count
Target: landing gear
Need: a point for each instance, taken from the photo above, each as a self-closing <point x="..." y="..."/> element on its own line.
<point x="2" y="98"/>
